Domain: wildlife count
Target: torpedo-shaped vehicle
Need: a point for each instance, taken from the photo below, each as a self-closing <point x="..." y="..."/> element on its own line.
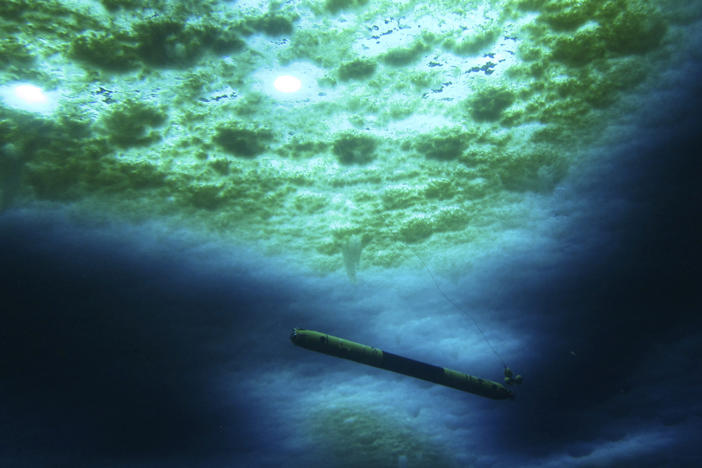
<point x="364" y="354"/>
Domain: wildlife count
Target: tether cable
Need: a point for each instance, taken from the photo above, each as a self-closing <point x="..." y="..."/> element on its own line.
<point x="455" y="306"/>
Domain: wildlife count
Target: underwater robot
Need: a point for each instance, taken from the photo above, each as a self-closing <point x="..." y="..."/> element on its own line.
<point x="342" y="348"/>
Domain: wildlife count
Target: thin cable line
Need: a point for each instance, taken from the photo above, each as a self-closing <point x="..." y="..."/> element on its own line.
<point x="455" y="306"/>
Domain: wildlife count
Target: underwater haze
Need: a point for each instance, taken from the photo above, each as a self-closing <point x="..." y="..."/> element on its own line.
<point x="471" y="184"/>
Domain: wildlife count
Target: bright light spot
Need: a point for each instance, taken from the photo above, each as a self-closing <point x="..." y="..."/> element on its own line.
<point x="29" y="97"/>
<point x="30" y="94"/>
<point x="287" y="84"/>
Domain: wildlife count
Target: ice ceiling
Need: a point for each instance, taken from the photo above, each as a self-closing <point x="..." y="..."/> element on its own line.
<point x="428" y="124"/>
